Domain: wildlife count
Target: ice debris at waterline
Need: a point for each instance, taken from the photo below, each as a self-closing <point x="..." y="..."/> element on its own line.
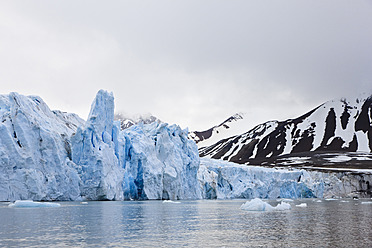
<point x="33" y="204"/>
<point x="259" y="205"/>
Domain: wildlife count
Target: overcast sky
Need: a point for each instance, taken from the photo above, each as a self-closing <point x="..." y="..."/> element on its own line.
<point x="193" y="63"/>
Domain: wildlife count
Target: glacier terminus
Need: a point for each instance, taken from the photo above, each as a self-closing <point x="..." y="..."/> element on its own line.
<point x="50" y="155"/>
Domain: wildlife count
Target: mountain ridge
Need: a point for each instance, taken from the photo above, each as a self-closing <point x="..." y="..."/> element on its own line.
<point x="233" y="125"/>
<point x="338" y="126"/>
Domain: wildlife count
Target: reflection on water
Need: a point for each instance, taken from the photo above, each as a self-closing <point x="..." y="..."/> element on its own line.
<point x="191" y="223"/>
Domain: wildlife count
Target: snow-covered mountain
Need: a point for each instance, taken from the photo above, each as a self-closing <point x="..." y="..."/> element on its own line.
<point x="335" y="126"/>
<point x="126" y="121"/>
<point x="234" y="125"/>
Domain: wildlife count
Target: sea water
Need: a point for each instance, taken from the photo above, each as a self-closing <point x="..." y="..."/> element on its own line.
<point x="204" y="223"/>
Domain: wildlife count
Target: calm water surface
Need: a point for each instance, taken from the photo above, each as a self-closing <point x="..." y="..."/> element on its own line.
<point x="208" y="223"/>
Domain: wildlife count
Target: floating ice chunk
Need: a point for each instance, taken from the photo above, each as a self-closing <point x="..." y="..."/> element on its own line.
<point x="84" y="203"/>
<point x="283" y="206"/>
<point x="331" y="199"/>
<point x="170" y="201"/>
<point x="32" y="204"/>
<point x="302" y="205"/>
<point x="318" y="201"/>
<point x="284" y="200"/>
<point x="368" y="202"/>
<point x="344" y="201"/>
<point x="256" y="205"/>
<point x="259" y="205"/>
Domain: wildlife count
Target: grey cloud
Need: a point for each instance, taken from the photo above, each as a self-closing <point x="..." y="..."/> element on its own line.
<point x="188" y="62"/>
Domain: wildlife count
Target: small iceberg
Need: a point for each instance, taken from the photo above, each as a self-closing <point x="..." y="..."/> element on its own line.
<point x="170" y="201"/>
<point x="367" y="202"/>
<point x="284" y="200"/>
<point x="259" y="205"/>
<point x="302" y="205"/>
<point x="32" y="204"/>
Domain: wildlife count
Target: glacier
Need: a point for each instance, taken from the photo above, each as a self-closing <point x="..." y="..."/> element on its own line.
<point x="93" y="152"/>
<point x="226" y="180"/>
<point x="160" y="163"/>
<point x="50" y="155"/>
<point x="35" y="150"/>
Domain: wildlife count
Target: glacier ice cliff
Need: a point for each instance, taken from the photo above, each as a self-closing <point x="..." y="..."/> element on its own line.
<point x="226" y="180"/>
<point x="35" y="150"/>
<point x="51" y="155"/>
<point x="160" y="163"/>
<point x="93" y="151"/>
